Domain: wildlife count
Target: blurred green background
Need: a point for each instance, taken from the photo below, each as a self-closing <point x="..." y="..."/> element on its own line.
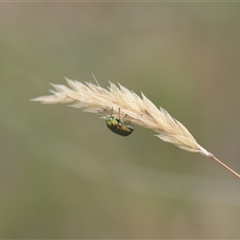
<point x="63" y="174"/>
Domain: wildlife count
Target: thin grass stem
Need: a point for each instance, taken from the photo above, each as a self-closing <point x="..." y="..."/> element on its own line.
<point x="225" y="166"/>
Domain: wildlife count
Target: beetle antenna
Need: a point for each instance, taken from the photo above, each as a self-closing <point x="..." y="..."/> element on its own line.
<point x="102" y="113"/>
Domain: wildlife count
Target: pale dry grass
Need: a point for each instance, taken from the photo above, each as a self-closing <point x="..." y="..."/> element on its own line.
<point x="140" y="110"/>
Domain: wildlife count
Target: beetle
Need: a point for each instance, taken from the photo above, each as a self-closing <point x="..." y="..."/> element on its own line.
<point x="117" y="126"/>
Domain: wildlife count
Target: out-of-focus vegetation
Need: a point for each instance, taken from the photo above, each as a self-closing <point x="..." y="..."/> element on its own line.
<point x="63" y="174"/>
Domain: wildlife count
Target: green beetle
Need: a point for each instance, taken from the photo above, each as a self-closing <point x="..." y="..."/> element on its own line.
<point x="117" y="126"/>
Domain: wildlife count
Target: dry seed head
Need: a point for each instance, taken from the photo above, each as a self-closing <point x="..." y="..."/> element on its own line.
<point x="140" y="110"/>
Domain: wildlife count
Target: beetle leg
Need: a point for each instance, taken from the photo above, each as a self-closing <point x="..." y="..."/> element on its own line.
<point x="111" y="112"/>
